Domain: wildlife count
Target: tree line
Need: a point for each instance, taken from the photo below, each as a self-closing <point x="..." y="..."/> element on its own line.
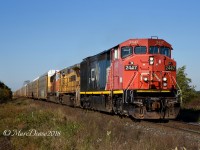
<point x="184" y="82"/>
<point x="5" y="93"/>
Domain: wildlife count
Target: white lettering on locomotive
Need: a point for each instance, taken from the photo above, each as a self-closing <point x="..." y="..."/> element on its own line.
<point x="131" y="67"/>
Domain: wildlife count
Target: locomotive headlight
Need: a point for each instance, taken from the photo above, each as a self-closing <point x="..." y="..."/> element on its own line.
<point x="165" y="79"/>
<point x="145" y="79"/>
<point x="164" y="84"/>
<point x="151" y="60"/>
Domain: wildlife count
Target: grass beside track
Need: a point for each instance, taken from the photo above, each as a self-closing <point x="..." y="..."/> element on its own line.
<point x="79" y="129"/>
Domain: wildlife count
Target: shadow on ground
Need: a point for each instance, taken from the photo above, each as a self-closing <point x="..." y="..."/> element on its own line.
<point x="189" y="115"/>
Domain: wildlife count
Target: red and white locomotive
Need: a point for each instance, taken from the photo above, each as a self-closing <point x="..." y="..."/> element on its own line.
<point x="135" y="78"/>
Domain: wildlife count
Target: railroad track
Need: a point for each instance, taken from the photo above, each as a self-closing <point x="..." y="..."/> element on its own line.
<point x="183" y="126"/>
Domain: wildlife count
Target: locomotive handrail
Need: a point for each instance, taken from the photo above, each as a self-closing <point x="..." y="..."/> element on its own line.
<point x="179" y="92"/>
<point x="177" y="84"/>
<point x="130" y="82"/>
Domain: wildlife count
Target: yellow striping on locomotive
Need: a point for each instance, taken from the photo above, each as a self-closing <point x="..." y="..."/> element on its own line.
<point x="103" y="92"/>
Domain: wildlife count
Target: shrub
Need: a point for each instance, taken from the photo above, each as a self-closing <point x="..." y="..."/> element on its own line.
<point x="5" y="93"/>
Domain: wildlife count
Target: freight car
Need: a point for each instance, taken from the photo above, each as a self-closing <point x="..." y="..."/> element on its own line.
<point x="44" y="85"/>
<point x="39" y="88"/>
<point x="135" y="78"/>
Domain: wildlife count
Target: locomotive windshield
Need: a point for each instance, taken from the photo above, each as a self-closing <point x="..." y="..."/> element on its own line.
<point x="165" y="51"/>
<point x="153" y="50"/>
<point x="162" y="50"/>
<point x="126" y="51"/>
<point x="140" y="50"/>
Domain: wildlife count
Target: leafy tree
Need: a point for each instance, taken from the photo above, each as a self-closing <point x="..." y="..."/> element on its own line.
<point x="188" y="91"/>
<point x="5" y="93"/>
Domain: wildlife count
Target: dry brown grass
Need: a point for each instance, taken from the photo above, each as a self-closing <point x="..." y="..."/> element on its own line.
<point x="194" y="104"/>
<point x="82" y="129"/>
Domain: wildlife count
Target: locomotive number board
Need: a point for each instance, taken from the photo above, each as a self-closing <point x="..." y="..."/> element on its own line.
<point x="131" y="67"/>
<point x="170" y="68"/>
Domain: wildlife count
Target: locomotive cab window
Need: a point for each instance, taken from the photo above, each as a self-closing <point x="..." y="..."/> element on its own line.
<point x="140" y="50"/>
<point x="72" y="78"/>
<point x="115" y="54"/>
<point x="153" y="50"/>
<point x="92" y="74"/>
<point x="126" y="51"/>
<point x="165" y="51"/>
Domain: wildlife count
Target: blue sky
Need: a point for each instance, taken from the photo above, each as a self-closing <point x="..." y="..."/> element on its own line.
<point x="38" y="35"/>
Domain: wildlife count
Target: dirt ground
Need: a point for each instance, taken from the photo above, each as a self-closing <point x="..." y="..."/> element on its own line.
<point x="83" y="129"/>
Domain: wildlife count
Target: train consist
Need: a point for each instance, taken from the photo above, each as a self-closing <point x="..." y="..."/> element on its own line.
<point x="135" y="78"/>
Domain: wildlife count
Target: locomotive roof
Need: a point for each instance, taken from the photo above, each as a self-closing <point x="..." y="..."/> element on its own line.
<point x="157" y="41"/>
<point x="71" y="67"/>
<point x="103" y="52"/>
<point x="129" y="41"/>
<point x="49" y="73"/>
